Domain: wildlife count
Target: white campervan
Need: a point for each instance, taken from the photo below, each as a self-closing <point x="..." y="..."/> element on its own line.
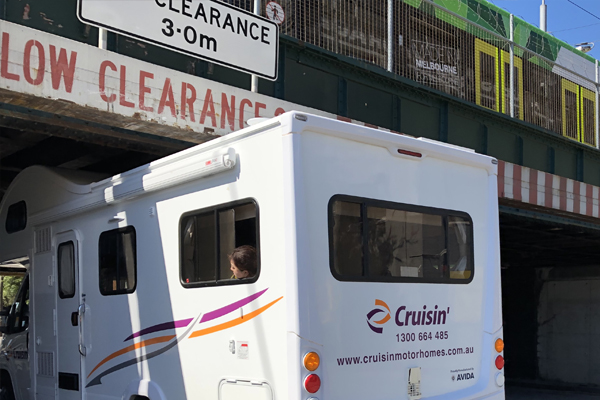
<point x="375" y="272"/>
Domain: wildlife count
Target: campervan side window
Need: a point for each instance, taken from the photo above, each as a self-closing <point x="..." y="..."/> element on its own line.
<point x="118" y="261"/>
<point x="16" y="217"/>
<point x="18" y="316"/>
<point x="66" y="270"/>
<point x="207" y="237"/>
<point x="377" y="241"/>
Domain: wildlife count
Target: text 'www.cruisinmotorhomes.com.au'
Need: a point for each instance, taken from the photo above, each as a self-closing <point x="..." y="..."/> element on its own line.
<point x="407" y="355"/>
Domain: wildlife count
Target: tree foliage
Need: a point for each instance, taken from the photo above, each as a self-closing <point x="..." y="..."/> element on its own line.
<point x="10" y="287"/>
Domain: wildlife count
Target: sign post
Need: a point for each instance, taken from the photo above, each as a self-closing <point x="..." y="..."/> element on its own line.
<point x="211" y="30"/>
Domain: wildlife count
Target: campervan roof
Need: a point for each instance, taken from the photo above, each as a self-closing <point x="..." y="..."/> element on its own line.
<point x="165" y="170"/>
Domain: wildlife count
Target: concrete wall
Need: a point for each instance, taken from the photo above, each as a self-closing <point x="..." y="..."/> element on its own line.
<point x="569" y="329"/>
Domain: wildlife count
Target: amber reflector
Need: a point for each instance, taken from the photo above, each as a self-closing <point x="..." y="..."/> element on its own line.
<point x="499" y="345"/>
<point x="311" y="361"/>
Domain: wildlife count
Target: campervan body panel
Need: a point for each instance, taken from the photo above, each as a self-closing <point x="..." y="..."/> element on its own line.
<point x="371" y="332"/>
<point x="210" y="341"/>
<point x="34" y="190"/>
<point x="154" y="333"/>
<point x="133" y="295"/>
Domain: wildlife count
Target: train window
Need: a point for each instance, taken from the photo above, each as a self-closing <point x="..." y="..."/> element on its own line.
<point x="209" y="236"/>
<point x="588" y="117"/>
<point x="379" y="241"/>
<point x="16" y="217"/>
<point x="118" y="261"/>
<point x="66" y="270"/>
<point x="488" y="81"/>
<point x="570" y="122"/>
<point x="486" y="75"/>
<point x="570" y="110"/>
<point x="518" y="85"/>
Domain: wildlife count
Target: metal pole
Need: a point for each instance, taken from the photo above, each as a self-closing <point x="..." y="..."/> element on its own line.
<point x="543" y="16"/>
<point x="390" y="35"/>
<point x="254" y="78"/>
<point x="597" y="108"/>
<point x="102" y="35"/>
<point x="511" y="74"/>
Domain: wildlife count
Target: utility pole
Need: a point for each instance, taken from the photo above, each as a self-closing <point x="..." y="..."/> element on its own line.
<point x="102" y="39"/>
<point x="254" y="78"/>
<point x="543" y="16"/>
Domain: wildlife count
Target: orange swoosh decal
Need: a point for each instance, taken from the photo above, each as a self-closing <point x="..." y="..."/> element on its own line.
<point x="135" y="346"/>
<point x="234" y="322"/>
<point x="383" y="320"/>
<point x="382" y="303"/>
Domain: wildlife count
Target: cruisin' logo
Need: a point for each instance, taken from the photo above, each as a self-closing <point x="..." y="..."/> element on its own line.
<point x="404" y="317"/>
<point x="376" y="311"/>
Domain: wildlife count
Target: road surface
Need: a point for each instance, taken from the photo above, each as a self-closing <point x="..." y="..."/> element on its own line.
<point x="525" y="393"/>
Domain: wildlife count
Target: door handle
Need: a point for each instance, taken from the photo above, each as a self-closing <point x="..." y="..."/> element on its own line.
<point x="81" y="313"/>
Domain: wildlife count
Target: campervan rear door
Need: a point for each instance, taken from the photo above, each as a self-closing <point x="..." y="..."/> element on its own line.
<point x="398" y="266"/>
<point x="67" y="316"/>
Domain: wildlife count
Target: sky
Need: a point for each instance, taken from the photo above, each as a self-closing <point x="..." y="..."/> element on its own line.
<point x="568" y="20"/>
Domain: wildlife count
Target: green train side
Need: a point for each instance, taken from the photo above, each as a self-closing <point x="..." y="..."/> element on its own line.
<point x="459" y="58"/>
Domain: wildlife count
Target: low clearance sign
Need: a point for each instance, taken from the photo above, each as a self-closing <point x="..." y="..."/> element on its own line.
<point x="49" y="66"/>
<point x="211" y="30"/>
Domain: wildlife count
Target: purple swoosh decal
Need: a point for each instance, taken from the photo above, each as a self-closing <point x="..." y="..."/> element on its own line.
<point x="161" y="327"/>
<point x="373" y="312"/>
<point x="209" y="316"/>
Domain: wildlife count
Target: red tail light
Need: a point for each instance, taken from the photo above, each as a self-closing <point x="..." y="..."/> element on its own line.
<point x="312" y="383"/>
<point x="499" y="362"/>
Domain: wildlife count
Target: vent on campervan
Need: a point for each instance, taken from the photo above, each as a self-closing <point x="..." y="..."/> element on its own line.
<point x="45" y="363"/>
<point x="43" y="240"/>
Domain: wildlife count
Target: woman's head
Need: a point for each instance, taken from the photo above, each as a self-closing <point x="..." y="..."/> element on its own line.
<point x="243" y="262"/>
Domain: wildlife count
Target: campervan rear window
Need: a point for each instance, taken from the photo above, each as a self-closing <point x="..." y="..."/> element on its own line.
<point x="377" y="241"/>
<point x="209" y="236"/>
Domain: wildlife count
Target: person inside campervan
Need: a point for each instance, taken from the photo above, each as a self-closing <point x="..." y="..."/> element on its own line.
<point x="243" y="262"/>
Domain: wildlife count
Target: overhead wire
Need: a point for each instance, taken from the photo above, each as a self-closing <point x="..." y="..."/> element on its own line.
<point x="577" y="27"/>
<point x="578" y="6"/>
